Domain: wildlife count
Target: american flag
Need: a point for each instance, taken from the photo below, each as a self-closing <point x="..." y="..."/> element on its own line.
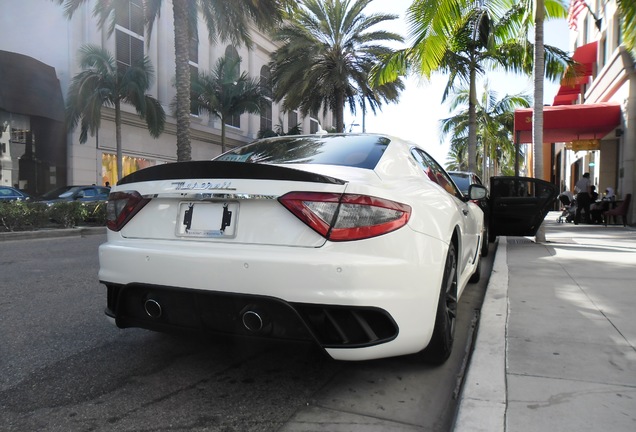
<point x="576" y="7"/>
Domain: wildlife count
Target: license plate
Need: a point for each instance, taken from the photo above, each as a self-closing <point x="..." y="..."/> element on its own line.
<point x="204" y="219"/>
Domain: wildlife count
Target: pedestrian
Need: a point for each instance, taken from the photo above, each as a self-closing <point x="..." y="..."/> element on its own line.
<point x="568" y="194"/>
<point x="583" y="189"/>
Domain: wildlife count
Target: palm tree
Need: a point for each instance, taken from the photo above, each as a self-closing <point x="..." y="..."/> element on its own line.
<point x="224" y="92"/>
<point x="328" y="48"/>
<point x="101" y="83"/>
<point x="225" y="20"/>
<point x="627" y="9"/>
<point x="494" y="120"/>
<point x="463" y="38"/>
<point x="456" y="158"/>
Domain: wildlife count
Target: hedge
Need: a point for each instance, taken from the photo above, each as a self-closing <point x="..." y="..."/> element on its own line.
<point x="29" y="216"/>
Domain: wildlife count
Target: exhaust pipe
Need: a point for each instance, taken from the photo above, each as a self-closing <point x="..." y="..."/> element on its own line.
<point x="254" y="319"/>
<point x="153" y="308"/>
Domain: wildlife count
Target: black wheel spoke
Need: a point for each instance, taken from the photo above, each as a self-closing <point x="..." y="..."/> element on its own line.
<point x="441" y="343"/>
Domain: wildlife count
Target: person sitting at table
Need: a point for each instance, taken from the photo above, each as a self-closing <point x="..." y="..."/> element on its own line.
<point x="596" y="212"/>
<point x="599" y="207"/>
<point x="593" y="193"/>
<point x="596" y="207"/>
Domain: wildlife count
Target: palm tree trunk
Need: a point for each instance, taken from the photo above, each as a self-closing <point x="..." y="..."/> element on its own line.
<point x="472" y="121"/>
<point x="537" y="112"/>
<point x="339" y="112"/>
<point x="222" y="134"/>
<point x="119" y="155"/>
<point x="485" y="157"/>
<point x="182" y="74"/>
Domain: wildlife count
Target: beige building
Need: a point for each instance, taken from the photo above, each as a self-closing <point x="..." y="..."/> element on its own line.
<point x="591" y="124"/>
<point x="38" y="59"/>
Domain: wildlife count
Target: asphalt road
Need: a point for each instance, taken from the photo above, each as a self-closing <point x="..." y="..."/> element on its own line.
<point x="64" y="367"/>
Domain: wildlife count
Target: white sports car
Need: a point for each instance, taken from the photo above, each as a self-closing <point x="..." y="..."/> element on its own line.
<point x="361" y="243"/>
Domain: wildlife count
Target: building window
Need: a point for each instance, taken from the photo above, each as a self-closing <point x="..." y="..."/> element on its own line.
<point x="266" y="107"/>
<point x="129" y="29"/>
<point x="194" y="50"/>
<point x="603" y="53"/>
<point x="313" y="126"/>
<point x="194" y="75"/>
<point x="292" y="121"/>
<point x="232" y="55"/>
<point x="618" y="23"/>
<point x="130" y="15"/>
<point x="194" y="69"/>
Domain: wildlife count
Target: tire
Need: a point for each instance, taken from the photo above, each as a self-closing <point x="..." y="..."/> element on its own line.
<point x="485" y="239"/>
<point x="475" y="277"/>
<point x="441" y="343"/>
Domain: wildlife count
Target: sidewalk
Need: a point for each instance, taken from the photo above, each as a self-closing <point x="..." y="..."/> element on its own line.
<point x="52" y="233"/>
<point x="556" y="345"/>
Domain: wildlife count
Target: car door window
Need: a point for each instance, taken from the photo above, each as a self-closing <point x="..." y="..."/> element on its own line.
<point x="435" y="172"/>
<point x="88" y="193"/>
<point x="519" y="204"/>
<point x="103" y="193"/>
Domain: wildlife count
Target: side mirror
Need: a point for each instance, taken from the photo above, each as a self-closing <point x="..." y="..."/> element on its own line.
<point x="477" y="192"/>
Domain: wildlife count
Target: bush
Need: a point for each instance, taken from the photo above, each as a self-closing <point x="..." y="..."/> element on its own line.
<point x="68" y="214"/>
<point x="20" y="215"/>
<point x="96" y="212"/>
<point x="23" y="216"/>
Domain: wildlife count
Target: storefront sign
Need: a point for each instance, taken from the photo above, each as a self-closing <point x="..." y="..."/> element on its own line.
<point x="584" y="145"/>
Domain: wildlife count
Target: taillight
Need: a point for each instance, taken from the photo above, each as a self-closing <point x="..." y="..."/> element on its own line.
<point x="121" y="208"/>
<point x="346" y="217"/>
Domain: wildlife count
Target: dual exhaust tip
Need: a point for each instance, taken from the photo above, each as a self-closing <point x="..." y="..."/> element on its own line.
<point x="153" y="308"/>
<point x="253" y="318"/>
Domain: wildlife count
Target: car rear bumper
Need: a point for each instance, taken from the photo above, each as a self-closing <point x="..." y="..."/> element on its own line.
<point x="356" y="306"/>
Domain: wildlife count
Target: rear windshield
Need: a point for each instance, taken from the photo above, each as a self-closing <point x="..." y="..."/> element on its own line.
<point x="354" y="151"/>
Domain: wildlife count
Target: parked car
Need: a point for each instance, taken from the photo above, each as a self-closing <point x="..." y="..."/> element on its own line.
<point x="463" y="180"/>
<point x="8" y="193"/>
<point x="361" y="243"/>
<point x="76" y="193"/>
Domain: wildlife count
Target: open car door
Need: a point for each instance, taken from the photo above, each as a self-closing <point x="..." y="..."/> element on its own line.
<point x="518" y="205"/>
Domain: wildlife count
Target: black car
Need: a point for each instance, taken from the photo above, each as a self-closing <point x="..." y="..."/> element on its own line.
<point x="463" y="180"/>
<point x="8" y="193"/>
<point x="76" y="193"/>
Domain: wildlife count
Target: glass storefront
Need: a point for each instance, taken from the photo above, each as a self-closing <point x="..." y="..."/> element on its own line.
<point x="129" y="165"/>
<point x="32" y="153"/>
<point x="14" y="134"/>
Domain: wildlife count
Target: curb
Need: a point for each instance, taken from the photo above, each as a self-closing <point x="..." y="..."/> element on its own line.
<point x="52" y="233"/>
<point x="482" y="404"/>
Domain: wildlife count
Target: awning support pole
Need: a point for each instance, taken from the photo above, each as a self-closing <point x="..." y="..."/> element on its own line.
<point x="517" y="138"/>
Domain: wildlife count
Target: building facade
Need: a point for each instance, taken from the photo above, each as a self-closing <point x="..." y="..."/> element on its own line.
<point x="591" y="124"/>
<point x="39" y="155"/>
<point x="612" y="82"/>
<point x="607" y="90"/>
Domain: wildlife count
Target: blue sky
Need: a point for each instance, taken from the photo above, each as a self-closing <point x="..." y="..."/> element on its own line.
<point x="416" y="117"/>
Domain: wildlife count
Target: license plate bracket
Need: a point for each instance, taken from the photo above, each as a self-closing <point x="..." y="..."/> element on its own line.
<point x="207" y="219"/>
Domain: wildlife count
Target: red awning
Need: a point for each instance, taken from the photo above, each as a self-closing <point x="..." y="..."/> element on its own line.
<point x="570" y="90"/>
<point x="565" y="123"/>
